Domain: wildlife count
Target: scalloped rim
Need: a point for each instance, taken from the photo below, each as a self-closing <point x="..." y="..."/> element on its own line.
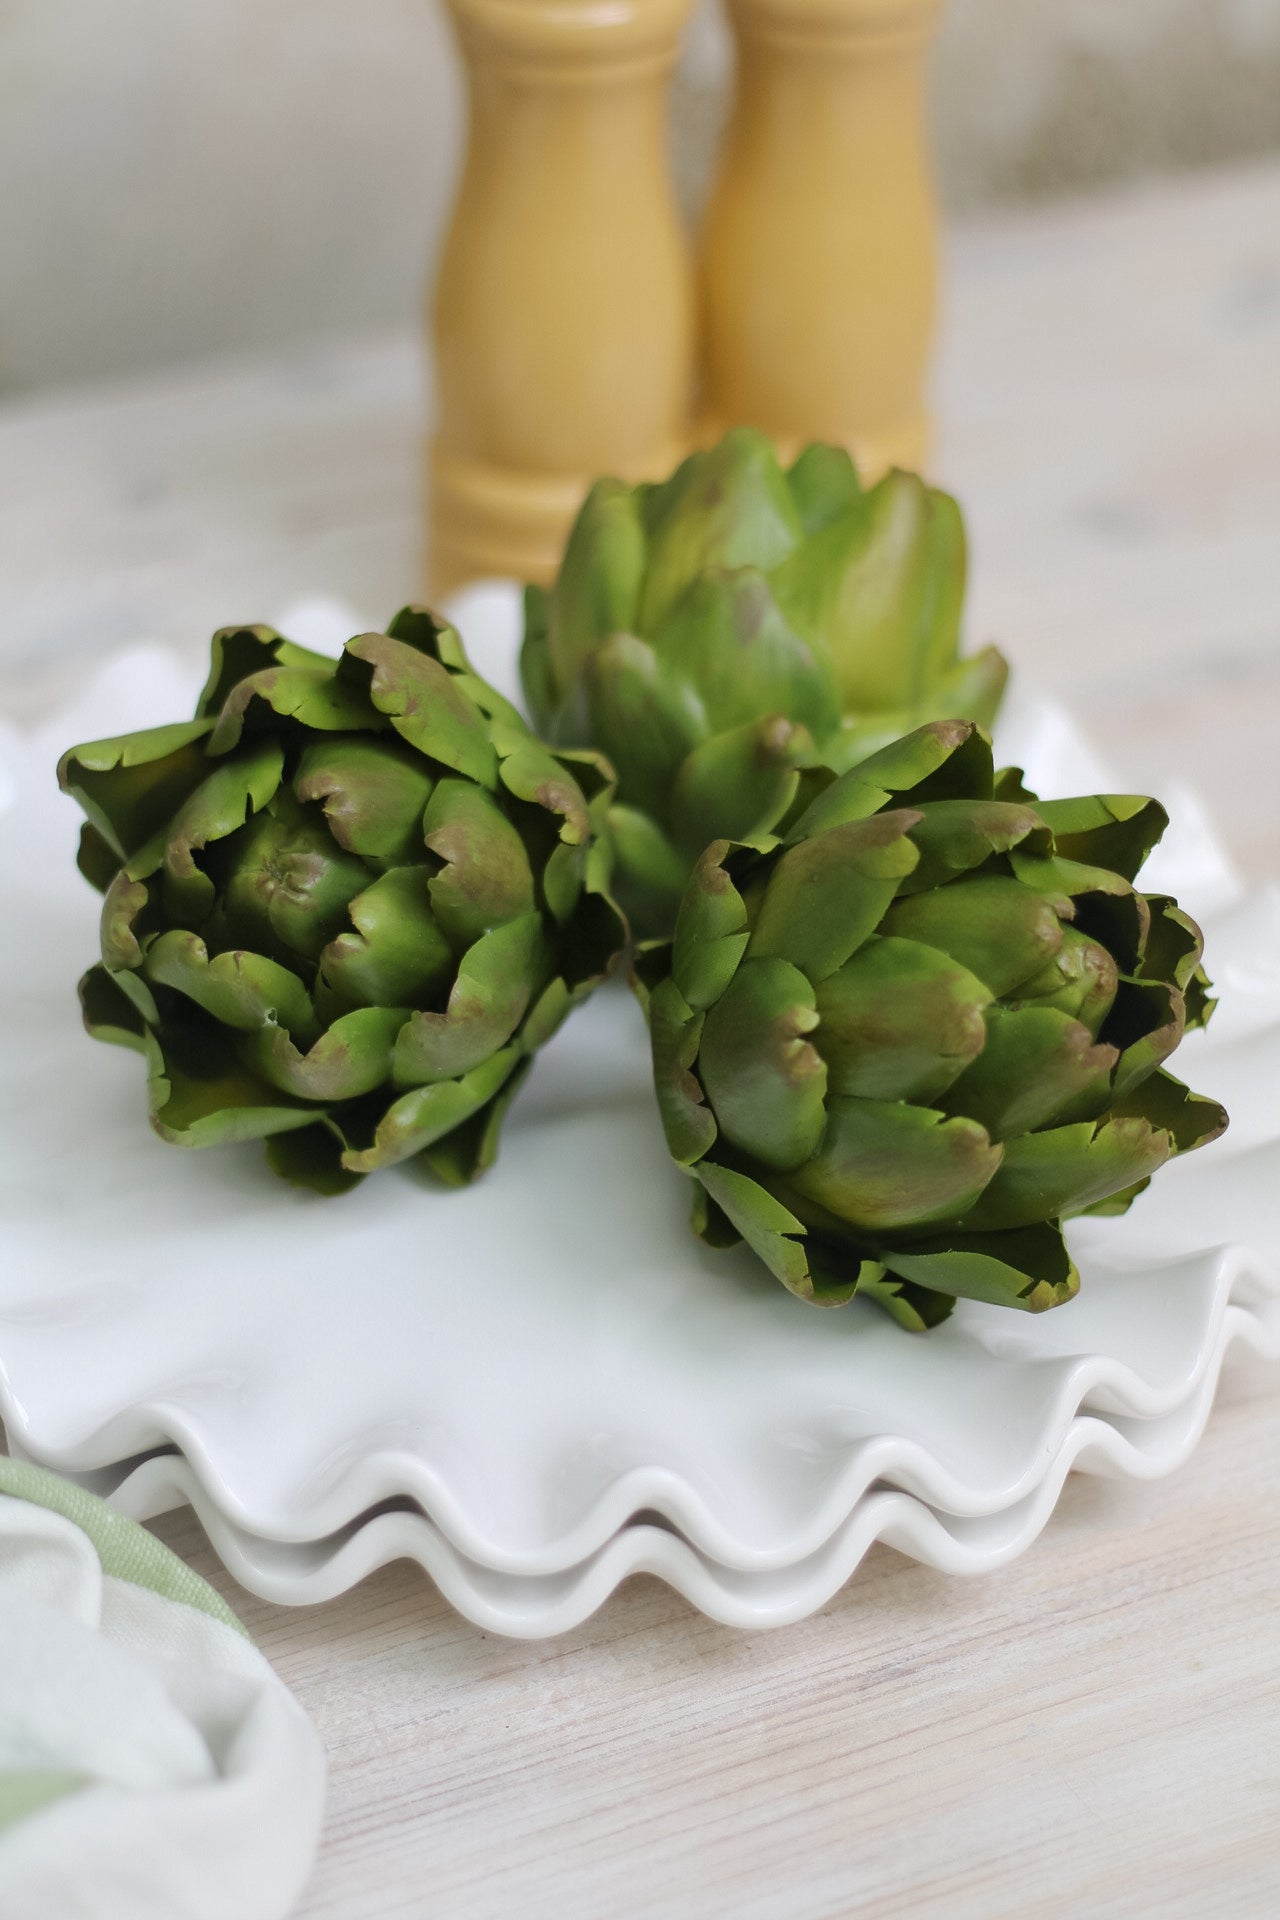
<point x="530" y="1607"/>
<point x="1089" y="1384"/>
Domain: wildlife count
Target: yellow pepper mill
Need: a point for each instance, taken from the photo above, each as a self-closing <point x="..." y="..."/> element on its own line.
<point x="563" y="319"/>
<point x="820" y="246"/>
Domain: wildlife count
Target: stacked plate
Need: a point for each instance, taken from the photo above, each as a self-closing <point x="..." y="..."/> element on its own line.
<point x="543" y="1384"/>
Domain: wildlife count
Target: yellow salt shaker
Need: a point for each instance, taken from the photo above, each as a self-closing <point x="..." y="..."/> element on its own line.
<point x="563" y="319"/>
<point x="818" y="258"/>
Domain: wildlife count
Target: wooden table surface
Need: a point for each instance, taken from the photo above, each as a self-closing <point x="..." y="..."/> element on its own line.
<point x="1094" y="1731"/>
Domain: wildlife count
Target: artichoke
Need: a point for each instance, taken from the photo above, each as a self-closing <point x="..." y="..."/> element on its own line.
<point x="345" y="904"/>
<point x="716" y="633"/>
<point x="898" y="1042"/>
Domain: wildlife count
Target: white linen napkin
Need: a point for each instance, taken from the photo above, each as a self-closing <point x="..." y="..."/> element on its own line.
<point x="152" y="1766"/>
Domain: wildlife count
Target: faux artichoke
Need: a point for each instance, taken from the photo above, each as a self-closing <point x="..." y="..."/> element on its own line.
<point x="898" y="1043"/>
<point x="716" y="633"/>
<point x="345" y="904"/>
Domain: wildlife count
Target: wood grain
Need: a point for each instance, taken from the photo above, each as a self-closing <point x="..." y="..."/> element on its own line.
<point x="1093" y="1732"/>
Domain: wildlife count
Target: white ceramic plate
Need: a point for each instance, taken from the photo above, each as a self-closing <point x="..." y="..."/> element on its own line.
<point x="534" y="1363"/>
<point x="533" y="1606"/>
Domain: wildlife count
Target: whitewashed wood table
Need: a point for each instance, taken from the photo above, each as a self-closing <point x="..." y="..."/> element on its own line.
<point x="1094" y="1731"/>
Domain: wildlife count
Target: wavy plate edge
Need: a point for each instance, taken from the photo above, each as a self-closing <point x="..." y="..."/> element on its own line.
<point x="532" y="1608"/>
<point x="1088" y="1382"/>
<point x="537" y="1607"/>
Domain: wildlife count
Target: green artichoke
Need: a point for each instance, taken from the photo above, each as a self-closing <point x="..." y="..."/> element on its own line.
<point x="345" y="904"/>
<point x="714" y="634"/>
<point x="900" y="1041"/>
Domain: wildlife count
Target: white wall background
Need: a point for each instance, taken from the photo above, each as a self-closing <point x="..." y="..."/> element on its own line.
<point x="184" y="177"/>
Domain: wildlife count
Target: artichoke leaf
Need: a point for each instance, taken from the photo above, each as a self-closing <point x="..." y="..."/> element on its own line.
<point x="1120" y="921"/>
<point x="96" y="859"/>
<point x="768" y="1228"/>
<point x="236" y="653"/>
<point x="899" y="1021"/>
<point x="728" y="641"/>
<point x="824" y="485"/>
<point x="914" y="1308"/>
<point x="974" y="685"/>
<point x="231" y="793"/>
<point x="828" y="894"/>
<point x="1115" y="1204"/>
<point x="564" y="875"/>
<point x="1116" y="830"/>
<point x="738" y="784"/>
<point x="311" y="1157"/>
<point x="542" y="696"/>
<point x="1146" y="1023"/>
<point x="123" y="906"/>
<point x="424" y="704"/>
<point x="836" y="1274"/>
<point x="486" y="879"/>
<point x="1081" y="980"/>
<point x="765" y="1082"/>
<point x="642" y="717"/>
<point x="674" y="1033"/>
<point x="427" y="1113"/>
<point x="111" y="1013"/>
<point x="710" y="1223"/>
<point x="315" y="697"/>
<point x="139" y="995"/>
<point x="241" y="989"/>
<point x="597" y="589"/>
<point x="954" y="836"/>
<point x="1036" y="1062"/>
<point x="1066" y="1169"/>
<point x="1174" y="945"/>
<point x="1199" y="1001"/>
<point x="397" y="955"/>
<point x="506" y="721"/>
<point x="943" y="569"/>
<point x="1062" y="881"/>
<point x="725" y="506"/>
<point x="541" y="779"/>
<point x="882" y="585"/>
<point x="943" y="760"/>
<point x="651" y="873"/>
<point x="497" y="978"/>
<point x="711" y="930"/>
<point x="1190" y="1119"/>
<point x="460" y="1157"/>
<point x="533" y="774"/>
<point x="1009" y="783"/>
<point x="352" y="1057"/>
<point x="1029" y="1269"/>
<point x="373" y="792"/>
<point x="988" y="922"/>
<point x="202" y="1095"/>
<point x="130" y="786"/>
<point x="549" y="1012"/>
<point x="884" y="1165"/>
<point x="424" y="632"/>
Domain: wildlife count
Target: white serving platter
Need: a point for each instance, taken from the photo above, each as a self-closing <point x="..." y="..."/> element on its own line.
<point x="550" y="1379"/>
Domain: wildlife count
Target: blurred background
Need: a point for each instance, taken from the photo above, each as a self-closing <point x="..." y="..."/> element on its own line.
<point x="219" y="217"/>
<point x="196" y="179"/>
